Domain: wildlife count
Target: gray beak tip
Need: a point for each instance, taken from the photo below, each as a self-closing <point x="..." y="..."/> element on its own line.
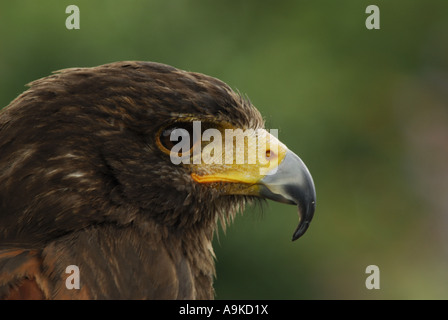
<point x="304" y="223"/>
<point x="292" y="183"/>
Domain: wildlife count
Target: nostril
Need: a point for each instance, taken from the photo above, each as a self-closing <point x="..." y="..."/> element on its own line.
<point x="270" y="154"/>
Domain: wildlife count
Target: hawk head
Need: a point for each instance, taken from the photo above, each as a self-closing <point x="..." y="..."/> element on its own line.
<point x="125" y="169"/>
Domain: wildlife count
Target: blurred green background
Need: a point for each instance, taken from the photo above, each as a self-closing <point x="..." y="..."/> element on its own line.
<point x="367" y="110"/>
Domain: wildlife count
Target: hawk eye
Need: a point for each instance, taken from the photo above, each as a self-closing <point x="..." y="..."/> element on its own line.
<point x="176" y="133"/>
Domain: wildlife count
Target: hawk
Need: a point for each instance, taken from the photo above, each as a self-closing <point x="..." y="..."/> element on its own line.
<point x="88" y="179"/>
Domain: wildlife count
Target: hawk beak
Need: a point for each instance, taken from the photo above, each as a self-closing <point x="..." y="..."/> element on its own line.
<point x="283" y="177"/>
<point x="291" y="183"/>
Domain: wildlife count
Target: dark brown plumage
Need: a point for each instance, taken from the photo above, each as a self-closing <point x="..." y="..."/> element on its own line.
<point x="84" y="182"/>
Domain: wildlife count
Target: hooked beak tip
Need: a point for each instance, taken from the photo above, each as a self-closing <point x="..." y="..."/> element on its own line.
<point x="305" y="219"/>
<point x="292" y="183"/>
